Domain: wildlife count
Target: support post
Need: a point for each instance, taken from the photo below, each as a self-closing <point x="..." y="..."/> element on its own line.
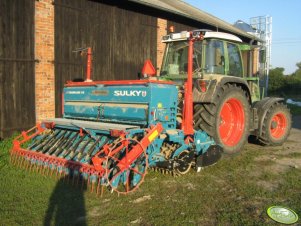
<point x="187" y="125"/>
<point x="89" y="64"/>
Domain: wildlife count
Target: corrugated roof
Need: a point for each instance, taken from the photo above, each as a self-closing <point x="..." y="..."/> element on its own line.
<point x="186" y="10"/>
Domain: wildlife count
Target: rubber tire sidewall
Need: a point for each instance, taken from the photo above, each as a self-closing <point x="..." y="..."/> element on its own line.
<point x="275" y="109"/>
<point x="237" y="93"/>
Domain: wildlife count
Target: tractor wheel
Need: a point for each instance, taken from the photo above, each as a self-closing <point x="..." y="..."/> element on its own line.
<point x="227" y="120"/>
<point x="276" y="125"/>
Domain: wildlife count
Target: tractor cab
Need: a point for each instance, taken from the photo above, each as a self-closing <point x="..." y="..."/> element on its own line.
<point x="216" y="55"/>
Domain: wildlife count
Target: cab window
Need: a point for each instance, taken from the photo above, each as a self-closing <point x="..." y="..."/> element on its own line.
<point x="215" y="57"/>
<point x="235" y="65"/>
<point x="176" y="58"/>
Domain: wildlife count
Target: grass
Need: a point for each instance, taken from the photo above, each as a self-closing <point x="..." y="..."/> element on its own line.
<point x="235" y="191"/>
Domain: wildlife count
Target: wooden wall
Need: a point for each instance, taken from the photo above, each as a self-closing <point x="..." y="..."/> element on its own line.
<point x="121" y="35"/>
<point x="17" y="95"/>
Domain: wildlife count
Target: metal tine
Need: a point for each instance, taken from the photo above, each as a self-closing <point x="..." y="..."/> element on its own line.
<point x="97" y="187"/>
<point x="88" y="182"/>
<point x="66" y="143"/>
<point x="60" y="143"/>
<point x="11" y="158"/>
<point x="16" y="156"/>
<point x="25" y="164"/>
<point x="57" y="143"/>
<point x="92" y="186"/>
<point x="56" y="132"/>
<point x="74" y="147"/>
<point x="52" y="141"/>
<point x="20" y="161"/>
<point x="38" y="141"/>
<point x="81" y="149"/>
<point x="14" y="160"/>
<point x="90" y="150"/>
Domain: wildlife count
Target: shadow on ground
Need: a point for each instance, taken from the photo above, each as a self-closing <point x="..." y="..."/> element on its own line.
<point x="66" y="205"/>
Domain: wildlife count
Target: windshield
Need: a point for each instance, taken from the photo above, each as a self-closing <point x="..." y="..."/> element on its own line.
<point x="175" y="61"/>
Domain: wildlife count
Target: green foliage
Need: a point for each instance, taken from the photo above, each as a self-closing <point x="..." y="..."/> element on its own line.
<point x="284" y="85"/>
<point x="276" y="79"/>
<point x="297" y="73"/>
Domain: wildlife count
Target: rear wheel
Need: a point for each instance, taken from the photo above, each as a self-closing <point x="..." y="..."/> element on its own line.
<point x="276" y="125"/>
<point x="227" y="120"/>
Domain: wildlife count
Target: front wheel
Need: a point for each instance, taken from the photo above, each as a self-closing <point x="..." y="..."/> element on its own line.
<point x="276" y="125"/>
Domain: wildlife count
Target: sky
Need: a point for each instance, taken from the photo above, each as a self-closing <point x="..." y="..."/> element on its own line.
<point x="286" y="24"/>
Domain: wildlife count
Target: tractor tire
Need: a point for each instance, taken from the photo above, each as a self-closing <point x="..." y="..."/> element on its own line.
<point x="276" y="126"/>
<point x="227" y="119"/>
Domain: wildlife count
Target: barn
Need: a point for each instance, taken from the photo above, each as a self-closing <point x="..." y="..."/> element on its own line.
<point x="38" y="39"/>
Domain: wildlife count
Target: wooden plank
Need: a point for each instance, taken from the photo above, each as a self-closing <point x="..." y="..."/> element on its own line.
<point x="17" y="66"/>
<point x="121" y="37"/>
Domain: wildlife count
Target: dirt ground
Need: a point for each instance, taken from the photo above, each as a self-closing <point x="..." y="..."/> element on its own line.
<point x="286" y="156"/>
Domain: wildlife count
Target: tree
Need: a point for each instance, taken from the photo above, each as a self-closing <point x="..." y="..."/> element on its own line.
<point x="276" y="79"/>
<point x="297" y="73"/>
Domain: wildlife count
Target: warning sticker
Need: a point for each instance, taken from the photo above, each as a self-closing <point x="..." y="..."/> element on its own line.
<point x="153" y="135"/>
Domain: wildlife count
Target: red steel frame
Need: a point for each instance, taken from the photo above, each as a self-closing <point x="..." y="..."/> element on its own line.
<point x="89" y="64"/>
<point x="17" y="150"/>
<point x="187" y="125"/>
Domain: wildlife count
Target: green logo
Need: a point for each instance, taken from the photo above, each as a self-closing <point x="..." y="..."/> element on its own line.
<point x="282" y="214"/>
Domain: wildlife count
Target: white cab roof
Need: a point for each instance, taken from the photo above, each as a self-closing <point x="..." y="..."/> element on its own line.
<point x="222" y="35"/>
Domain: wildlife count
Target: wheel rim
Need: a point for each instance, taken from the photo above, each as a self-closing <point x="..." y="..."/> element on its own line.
<point x="278" y="125"/>
<point x="232" y="122"/>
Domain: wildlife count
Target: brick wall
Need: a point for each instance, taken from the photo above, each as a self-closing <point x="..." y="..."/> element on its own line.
<point x="44" y="52"/>
<point x="162" y="30"/>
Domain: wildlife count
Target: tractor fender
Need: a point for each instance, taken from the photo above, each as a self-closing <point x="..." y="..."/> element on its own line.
<point x="214" y="83"/>
<point x="262" y="107"/>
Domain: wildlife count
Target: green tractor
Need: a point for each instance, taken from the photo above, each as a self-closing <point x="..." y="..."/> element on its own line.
<point x="228" y="99"/>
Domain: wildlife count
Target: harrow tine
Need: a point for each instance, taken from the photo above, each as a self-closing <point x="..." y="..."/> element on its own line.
<point x="16" y="159"/>
<point x="103" y="140"/>
<point x="38" y="142"/>
<point x="24" y="163"/>
<point x="54" y="143"/>
<point x="48" y="171"/>
<point x="98" y="184"/>
<point x="57" y="143"/>
<point x="82" y="149"/>
<point x="44" y="143"/>
<point x="92" y="187"/>
<point x="91" y="149"/>
<point x="27" y="165"/>
<point x="74" y="147"/>
<point x="65" y="144"/>
<point x="11" y="158"/>
<point x="68" y="146"/>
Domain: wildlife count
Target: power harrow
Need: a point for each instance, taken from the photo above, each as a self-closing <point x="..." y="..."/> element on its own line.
<point x="113" y="131"/>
